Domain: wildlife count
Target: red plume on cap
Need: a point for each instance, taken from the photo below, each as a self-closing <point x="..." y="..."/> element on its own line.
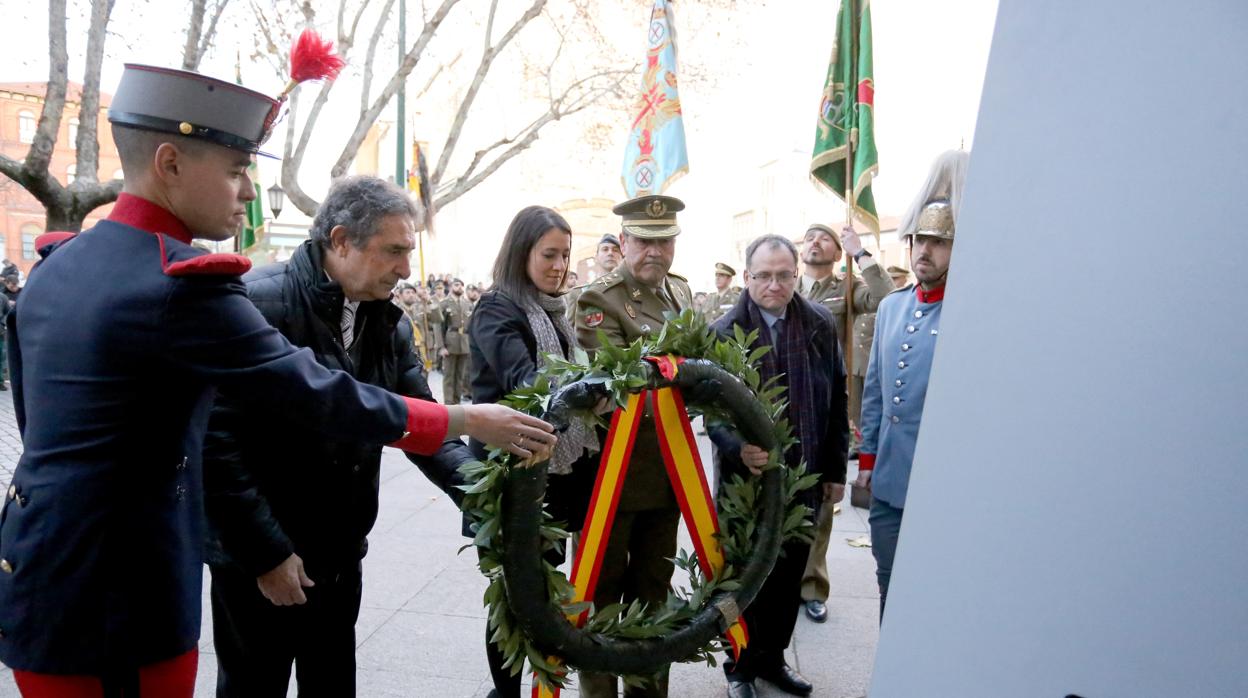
<point x="312" y="58"/>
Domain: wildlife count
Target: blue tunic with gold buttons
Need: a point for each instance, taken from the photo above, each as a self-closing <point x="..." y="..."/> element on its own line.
<point x="906" y="328"/>
<point x="116" y="347"/>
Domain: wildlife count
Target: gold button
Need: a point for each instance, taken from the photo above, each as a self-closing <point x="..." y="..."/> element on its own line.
<point x="185" y="128"/>
<point x="12" y="491"/>
<point x="6" y="567"/>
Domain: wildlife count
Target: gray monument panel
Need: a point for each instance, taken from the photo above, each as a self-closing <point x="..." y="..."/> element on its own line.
<point x="1088" y="409"/>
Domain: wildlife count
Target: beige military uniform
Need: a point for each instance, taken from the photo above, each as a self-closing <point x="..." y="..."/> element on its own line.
<point x="570" y="299"/>
<point x="433" y="338"/>
<point x="415" y="315"/>
<point x="625" y="309"/>
<point x="719" y="303"/>
<point x="456" y="311"/>
<point x="643" y="539"/>
<point x="869" y="289"/>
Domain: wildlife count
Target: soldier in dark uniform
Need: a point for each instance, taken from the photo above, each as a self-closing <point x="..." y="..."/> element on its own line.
<point x="101" y="536"/>
<point x="725" y="295"/>
<point x="456" y="310"/>
<point x="822" y="250"/>
<point x="627" y="304"/>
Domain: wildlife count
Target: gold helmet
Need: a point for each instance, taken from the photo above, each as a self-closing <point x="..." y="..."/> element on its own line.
<point x="936" y="220"/>
<point x="935" y="209"/>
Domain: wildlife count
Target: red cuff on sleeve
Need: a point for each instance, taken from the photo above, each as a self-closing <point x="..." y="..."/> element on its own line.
<point x="866" y="461"/>
<point x="426" y="427"/>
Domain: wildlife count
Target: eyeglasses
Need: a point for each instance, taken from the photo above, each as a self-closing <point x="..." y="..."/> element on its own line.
<point x="783" y="278"/>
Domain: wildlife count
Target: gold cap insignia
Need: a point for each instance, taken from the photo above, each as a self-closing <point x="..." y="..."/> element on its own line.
<point x="656" y="208"/>
<point x="185" y="128"/>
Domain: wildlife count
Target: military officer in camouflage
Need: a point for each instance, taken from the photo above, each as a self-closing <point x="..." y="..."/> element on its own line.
<point x="624" y="305"/>
<point x="409" y="302"/>
<point x="822" y="250"/>
<point x="725" y="295"/>
<point x="455" y="311"/>
<point x="864" y="334"/>
<point x="899" y="275"/>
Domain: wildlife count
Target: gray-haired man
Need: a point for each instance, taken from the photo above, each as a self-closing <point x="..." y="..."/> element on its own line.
<point x="290" y="515"/>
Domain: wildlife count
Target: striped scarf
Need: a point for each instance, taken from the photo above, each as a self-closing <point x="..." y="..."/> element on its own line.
<point x="545" y="314"/>
<point x="788" y="359"/>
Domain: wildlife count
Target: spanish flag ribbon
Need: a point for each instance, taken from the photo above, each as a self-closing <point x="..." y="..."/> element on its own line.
<point x="684" y="468"/>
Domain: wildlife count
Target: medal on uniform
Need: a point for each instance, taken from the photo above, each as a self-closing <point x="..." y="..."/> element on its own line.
<point x="628" y="308"/>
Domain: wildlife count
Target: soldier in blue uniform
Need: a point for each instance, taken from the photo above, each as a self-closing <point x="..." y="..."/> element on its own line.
<point x="906" y="329"/>
<point x="101" y="535"/>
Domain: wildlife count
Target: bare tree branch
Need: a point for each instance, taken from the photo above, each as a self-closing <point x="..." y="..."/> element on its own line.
<point x="40" y="153"/>
<point x="369" y="116"/>
<point x="205" y="42"/>
<point x="13" y="169"/>
<point x="290" y="174"/>
<point x="372" y="53"/>
<point x="578" y="96"/>
<point x="347" y="39"/>
<point x="88" y="145"/>
<point x="190" y="52"/>
<point x="487" y="59"/>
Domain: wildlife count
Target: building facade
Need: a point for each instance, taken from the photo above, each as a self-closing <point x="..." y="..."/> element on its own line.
<point x="22" y="217"/>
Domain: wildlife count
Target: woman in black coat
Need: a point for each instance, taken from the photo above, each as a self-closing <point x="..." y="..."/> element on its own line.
<point x="512" y="327"/>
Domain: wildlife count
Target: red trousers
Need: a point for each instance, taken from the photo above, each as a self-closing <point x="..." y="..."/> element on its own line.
<point x="172" y="678"/>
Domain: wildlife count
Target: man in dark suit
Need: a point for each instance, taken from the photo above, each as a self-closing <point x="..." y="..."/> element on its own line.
<point x="287" y="577"/>
<point x="806" y="355"/>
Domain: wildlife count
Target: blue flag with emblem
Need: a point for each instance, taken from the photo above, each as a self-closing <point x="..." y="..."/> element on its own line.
<point x="655" y="154"/>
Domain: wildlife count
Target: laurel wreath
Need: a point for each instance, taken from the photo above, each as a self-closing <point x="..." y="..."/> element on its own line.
<point x="621" y="371"/>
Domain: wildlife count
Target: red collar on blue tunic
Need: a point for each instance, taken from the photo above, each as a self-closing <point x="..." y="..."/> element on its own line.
<point x="140" y="213"/>
<point x="935" y="295"/>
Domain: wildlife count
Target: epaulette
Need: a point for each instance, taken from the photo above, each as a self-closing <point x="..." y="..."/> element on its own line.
<point x="48" y="242"/>
<point x="605" y="281"/>
<point x="179" y="259"/>
<point x="677" y="276"/>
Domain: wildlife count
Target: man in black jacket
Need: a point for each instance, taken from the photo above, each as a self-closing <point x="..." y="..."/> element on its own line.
<point x="806" y="356"/>
<point x="290" y="516"/>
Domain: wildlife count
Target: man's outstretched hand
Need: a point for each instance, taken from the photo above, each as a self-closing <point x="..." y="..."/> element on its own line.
<point x="527" y="437"/>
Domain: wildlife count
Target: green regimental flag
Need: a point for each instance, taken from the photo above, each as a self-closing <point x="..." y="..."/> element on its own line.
<point x="255" y="214"/>
<point x="254" y="225"/>
<point x="847" y="114"/>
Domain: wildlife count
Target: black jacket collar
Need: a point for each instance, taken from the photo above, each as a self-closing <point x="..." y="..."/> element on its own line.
<point x="307" y="265"/>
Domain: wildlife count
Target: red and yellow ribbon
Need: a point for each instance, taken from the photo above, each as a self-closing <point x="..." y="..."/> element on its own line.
<point x="684" y="468"/>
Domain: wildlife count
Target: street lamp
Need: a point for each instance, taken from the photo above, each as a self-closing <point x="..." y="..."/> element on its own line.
<point x="277" y="197"/>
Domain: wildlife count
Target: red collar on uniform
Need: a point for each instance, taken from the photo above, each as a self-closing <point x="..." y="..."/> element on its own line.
<point x="935" y="295"/>
<point x="140" y="213"/>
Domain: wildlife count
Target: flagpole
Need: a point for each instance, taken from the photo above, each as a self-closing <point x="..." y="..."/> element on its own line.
<point x="848" y="343"/>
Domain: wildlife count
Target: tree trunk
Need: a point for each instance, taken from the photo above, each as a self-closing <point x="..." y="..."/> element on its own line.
<point x="88" y="144"/>
<point x="67" y="208"/>
<point x="195" y="27"/>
